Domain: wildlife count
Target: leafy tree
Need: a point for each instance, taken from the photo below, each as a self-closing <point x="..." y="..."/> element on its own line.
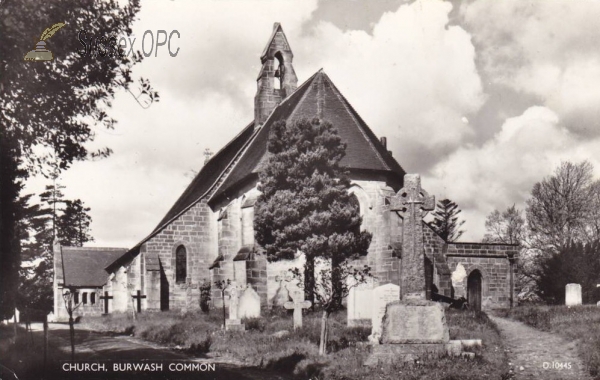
<point x="304" y="203"/>
<point x="445" y="221"/>
<point x="51" y="109"/>
<point x="509" y="227"/>
<point x="558" y="211"/>
<point x="74" y="224"/>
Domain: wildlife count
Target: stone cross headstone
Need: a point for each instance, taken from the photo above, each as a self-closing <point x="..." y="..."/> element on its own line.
<point x="382" y="296"/>
<point x="233" y="322"/>
<point x="249" y="305"/>
<point x="412" y="204"/>
<point x="234" y="298"/>
<point x="573" y="295"/>
<point x="298" y="304"/>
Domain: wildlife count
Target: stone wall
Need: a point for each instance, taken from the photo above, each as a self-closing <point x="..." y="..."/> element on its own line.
<point x="491" y="260"/>
<point x="196" y="229"/>
<point x="377" y="219"/>
<point x="435" y="247"/>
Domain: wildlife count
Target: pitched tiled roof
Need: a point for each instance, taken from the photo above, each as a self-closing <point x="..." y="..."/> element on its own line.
<point x="318" y="96"/>
<point x="84" y="266"/>
<point x="207" y="177"/>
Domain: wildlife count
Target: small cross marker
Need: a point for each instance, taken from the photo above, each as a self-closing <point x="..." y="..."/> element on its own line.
<point x="298" y="304"/>
<point x="106" y="298"/>
<point x="138" y="297"/>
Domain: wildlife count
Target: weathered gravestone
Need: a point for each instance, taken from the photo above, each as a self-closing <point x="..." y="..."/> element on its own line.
<point x="234" y="323"/>
<point x="360" y="305"/>
<point x="573" y="295"/>
<point x="51" y="318"/>
<point x="282" y="295"/>
<point x="412" y="327"/>
<point x="298" y="304"/>
<point x="382" y="296"/>
<point x="249" y="305"/>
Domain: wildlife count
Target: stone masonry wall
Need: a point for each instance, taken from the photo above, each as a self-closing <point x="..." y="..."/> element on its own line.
<point x="196" y="230"/>
<point x="434" y="247"/>
<point x="377" y="219"/>
<point x="492" y="262"/>
<point x="229" y="243"/>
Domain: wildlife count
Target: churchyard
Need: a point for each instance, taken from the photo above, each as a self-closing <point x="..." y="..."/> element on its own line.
<point x="271" y="343"/>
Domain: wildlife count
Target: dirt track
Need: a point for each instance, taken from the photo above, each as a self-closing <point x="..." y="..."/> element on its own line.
<point x="542" y="355"/>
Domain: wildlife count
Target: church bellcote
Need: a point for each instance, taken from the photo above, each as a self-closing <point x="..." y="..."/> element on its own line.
<point x="277" y="78"/>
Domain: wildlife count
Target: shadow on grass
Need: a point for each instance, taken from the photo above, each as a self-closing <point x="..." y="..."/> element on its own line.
<point x="286" y="363"/>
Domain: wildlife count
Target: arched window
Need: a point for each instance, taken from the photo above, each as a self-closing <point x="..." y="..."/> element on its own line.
<point x="93" y="298"/>
<point x="85" y="298"/>
<point x="180" y="264"/>
<point x="279" y="71"/>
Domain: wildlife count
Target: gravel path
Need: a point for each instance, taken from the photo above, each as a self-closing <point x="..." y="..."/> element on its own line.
<point x="536" y="354"/>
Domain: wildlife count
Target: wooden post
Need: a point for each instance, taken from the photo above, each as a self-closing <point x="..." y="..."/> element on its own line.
<point x="45" y="341"/>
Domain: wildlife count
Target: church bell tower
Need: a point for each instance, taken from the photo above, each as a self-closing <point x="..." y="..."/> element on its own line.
<point x="277" y="78"/>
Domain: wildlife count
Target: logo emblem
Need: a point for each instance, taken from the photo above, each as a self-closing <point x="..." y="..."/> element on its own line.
<point x="40" y="53"/>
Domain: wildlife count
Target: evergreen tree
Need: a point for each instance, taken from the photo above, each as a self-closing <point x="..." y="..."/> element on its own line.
<point x="575" y="262"/>
<point x="74" y="224"/>
<point x="304" y="203"/>
<point x="446" y="222"/>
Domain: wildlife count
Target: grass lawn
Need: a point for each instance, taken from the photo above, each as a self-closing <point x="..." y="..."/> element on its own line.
<point x="297" y="353"/>
<point x="580" y="323"/>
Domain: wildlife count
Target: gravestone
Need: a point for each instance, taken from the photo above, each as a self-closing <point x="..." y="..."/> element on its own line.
<point x="413" y="327"/>
<point x="234" y="323"/>
<point x="415" y="321"/>
<point x="17" y="316"/>
<point x="382" y="296"/>
<point x="282" y="295"/>
<point x="51" y="318"/>
<point x="298" y="304"/>
<point x="249" y="305"/>
<point x="458" y="281"/>
<point x="360" y="305"/>
<point x="573" y="295"/>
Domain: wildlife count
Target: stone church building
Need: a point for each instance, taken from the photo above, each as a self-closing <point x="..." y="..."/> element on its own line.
<point x="208" y="235"/>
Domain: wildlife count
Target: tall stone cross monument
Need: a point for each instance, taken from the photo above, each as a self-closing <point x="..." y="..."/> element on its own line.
<point x="412" y="204"/>
<point x="412" y="327"/>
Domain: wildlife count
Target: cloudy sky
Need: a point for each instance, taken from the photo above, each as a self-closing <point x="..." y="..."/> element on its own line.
<point x="483" y="98"/>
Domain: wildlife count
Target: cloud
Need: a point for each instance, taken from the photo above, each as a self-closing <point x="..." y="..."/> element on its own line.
<point x="413" y="80"/>
<point x="502" y="171"/>
<point x="545" y="48"/>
